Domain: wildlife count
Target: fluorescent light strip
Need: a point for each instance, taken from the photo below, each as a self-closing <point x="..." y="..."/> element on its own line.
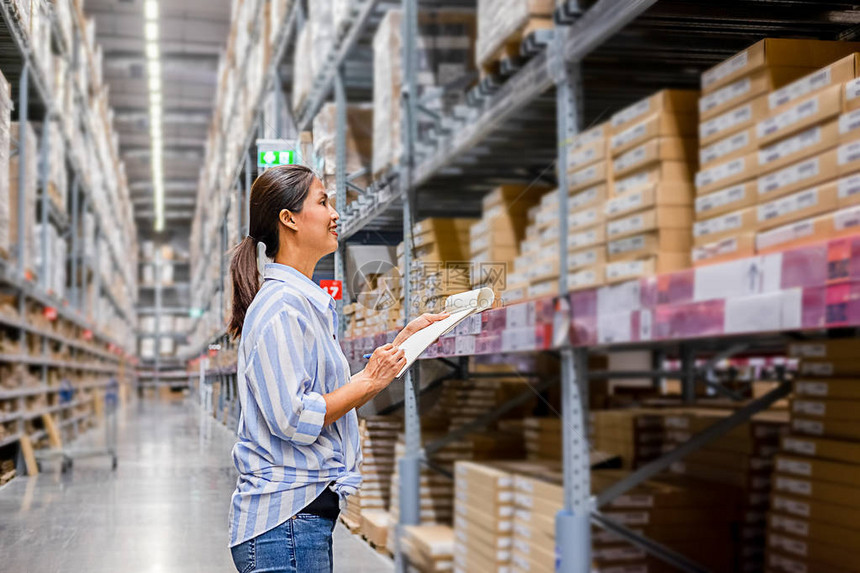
<point x="156" y="110"/>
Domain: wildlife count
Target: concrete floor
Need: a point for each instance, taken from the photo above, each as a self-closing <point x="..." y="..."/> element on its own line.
<point x="163" y="511"/>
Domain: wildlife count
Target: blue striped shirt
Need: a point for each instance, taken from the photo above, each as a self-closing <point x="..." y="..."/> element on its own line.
<point x="289" y="357"/>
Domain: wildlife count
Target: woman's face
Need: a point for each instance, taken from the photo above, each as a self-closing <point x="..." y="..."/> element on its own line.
<point x="317" y="221"/>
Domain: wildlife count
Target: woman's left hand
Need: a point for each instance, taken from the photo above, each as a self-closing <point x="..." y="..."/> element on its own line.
<point x="417" y="324"/>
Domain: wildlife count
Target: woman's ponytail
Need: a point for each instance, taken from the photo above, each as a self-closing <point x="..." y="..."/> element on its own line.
<point x="246" y="282"/>
<point x="278" y="188"/>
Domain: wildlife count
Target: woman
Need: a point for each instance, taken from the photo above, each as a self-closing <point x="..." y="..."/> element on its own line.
<point x="298" y="450"/>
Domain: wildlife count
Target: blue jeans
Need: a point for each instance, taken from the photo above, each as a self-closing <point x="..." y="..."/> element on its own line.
<point x="300" y="545"/>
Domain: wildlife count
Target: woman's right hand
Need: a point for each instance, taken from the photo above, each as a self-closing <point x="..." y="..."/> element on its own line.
<point x="383" y="365"/>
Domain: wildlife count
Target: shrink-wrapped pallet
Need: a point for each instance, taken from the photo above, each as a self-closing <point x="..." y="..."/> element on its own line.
<point x="302" y="70"/>
<point x="5" y="148"/>
<point x="359" y="143"/>
<point x="21" y="230"/>
<point x="506" y="21"/>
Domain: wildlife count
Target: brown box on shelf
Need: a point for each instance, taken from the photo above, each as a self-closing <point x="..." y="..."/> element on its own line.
<point x="844" y="410"/>
<point x="726" y="174"/>
<point x="797" y="116"/>
<point x="651" y="127"/>
<point x="776" y="52"/>
<point x="837" y="73"/>
<point x="674" y="102"/>
<point x="844" y="451"/>
<point x="801" y="205"/>
<point x="829" y="367"/>
<point x="655" y="151"/>
<point x="650" y="243"/>
<point x="732" y="121"/>
<point x="586" y="277"/>
<point x="731" y="224"/>
<point x="796" y="234"/>
<point x="848" y="157"/>
<point x="849" y="125"/>
<point x="761" y="81"/>
<point x="734" y="247"/>
<point x="658" y="218"/>
<point x="826" y="554"/>
<point x="799" y="175"/>
<point x="833" y="388"/>
<point x="676" y="172"/>
<point x="732" y="146"/>
<point x="658" y="194"/>
<point x="663" y="263"/>
<point x="815" y="531"/>
<point x="836" y="349"/>
<point x="722" y="201"/>
<point x="849" y="191"/>
<point x="588" y="176"/>
<point x="834" y="514"/>
<point x="798" y="146"/>
<point x="586" y="258"/>
<point x="818" y="469"/>
<point x="586" y="155"/>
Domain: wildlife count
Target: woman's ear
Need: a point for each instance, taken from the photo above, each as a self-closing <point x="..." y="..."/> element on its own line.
<point x="287" y="219"/>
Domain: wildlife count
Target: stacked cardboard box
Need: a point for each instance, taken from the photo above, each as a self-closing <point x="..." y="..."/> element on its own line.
<point x="742" y="459"/>
<point x="813" y="522"/>
<point x="503" y="24"/>
<point x="23" y="230"/>
<point x="446" y="54"/>
<point x="764" y="129"/>
<point x="378" y="437"/>
<point x="440" y="262"/>
<point x="637" y="435"/>
<point x="429" y="548"/>
<point x="5" y="149"/>
<point x="494" y="241"/>
<point x="649" y="211"/>
<point x="359" y="142"/>
<point x="484" y="510"/>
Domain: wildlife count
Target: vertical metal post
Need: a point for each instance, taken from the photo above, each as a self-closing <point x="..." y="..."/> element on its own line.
<point x="83" y="296"/>
<point x="157" y="277"/>
<point x="245" y="204"/>
<point x="410" y="465"/>
<point x="76" y="247"/>
<point x="97" y="273"/>
<point x="572" y="523"/>
<point x="44" y="150"/>
<point x="688" y="368"/>
<point x="340" y="186"/>
<point x="23" y="110"/>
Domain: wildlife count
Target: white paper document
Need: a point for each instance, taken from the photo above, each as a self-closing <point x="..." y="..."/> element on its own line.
<point x="460" y="307"/>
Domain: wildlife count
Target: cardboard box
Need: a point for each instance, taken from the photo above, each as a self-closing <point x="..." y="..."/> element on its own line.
<point x="732" y="121"/>
<point x="813" y="530"/>
<point x="847" y="389"/>
<point x="797" y="206"/>
<point x="590" y="136"/>
<point x="585" y="218"/>
<point x="658" y="218"/>
<point x="659" y="194"/>
<point x="738" y="144"/>
<point x="844" y="410"/>
<point x="836" y="349"/>
<point x="739" y="246"/>
<point x="674" y="171"/>
<point x="834" y="429"/>
<point x="849" y="126"/>
<point x="653" y="151"/>
<point x="837" y="73"/>
<point x="592" y="196"/>
<point x="835" y="514"/>
<point x="776" y="52"/>
<point x="733" y="198"/>
<point x="848" y="452"/>
<point x="848" y="157"/>
<point x="659" y="125"/>
<point x="728" y="173"/>
<point x="665" y="102"/>
<point x="851" y="95"/>
<point x="797" y="234"/>
<point x="663" y="263"/>
<point x="586" y="258"/>
<point x="587" y="177"/>
<point x="826" y="554"/>
<point x="797" y="176"/>
<point x="588" y="277"/>
<point x="761" y="81"/>
<point x="585" y="239"/>
<point x="816" y="367"/>
<point x="816" y="469"/>
<point x="585" y="156"/>
<point x="651" y="243"/>
<point x="801" y="145"/>
<point x="846" y="222"/>
<point x="813" y="110"/>
<point x="731" y="224"/>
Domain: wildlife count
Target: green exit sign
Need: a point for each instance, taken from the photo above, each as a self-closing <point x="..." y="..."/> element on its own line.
<point x="266" y="159"/>
<point x="196" y="312"/>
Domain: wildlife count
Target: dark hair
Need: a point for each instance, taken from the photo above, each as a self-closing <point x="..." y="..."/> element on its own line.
<point x="278" y="188"/>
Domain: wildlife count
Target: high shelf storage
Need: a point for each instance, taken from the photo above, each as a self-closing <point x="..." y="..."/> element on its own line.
<point x="563" y="79"/>
<point x="68" y="266"/>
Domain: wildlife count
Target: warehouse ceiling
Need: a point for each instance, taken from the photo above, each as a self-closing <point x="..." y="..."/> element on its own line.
<point x="193" y="33"/>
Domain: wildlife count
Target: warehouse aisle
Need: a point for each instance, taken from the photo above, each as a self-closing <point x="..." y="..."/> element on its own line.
<point x="163" y="511"/>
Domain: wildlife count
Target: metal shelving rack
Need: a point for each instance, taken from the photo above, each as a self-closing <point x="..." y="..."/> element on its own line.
<point x="95" y="351"/>
<point x="571" y="76"/>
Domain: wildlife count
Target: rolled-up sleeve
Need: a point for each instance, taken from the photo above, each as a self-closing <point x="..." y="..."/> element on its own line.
<point x="279" y="376"/>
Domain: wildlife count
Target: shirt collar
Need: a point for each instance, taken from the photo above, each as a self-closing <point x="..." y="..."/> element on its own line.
<point x="312" y="291"/>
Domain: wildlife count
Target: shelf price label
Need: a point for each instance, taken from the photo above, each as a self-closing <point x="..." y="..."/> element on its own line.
<point x="50" y="313"/>
<point x="88" y="334"/>
<point x="334" y="288"/>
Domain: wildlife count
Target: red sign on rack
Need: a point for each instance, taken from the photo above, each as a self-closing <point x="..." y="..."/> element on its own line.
<point x="50" y="313"/>
<point x="334" y="288"/>
<point x="88" y="334"/>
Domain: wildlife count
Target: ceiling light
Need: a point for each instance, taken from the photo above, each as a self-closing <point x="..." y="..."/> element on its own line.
<point x="151" y="50"/>
<point x="151" y="31"/>
<point x="154" y="68"/>
<point x="154" y="84"/>
<point x="150" y="9"/>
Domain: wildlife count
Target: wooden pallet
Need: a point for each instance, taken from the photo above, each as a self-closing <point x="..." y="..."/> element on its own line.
<point x="350" y="524"/>
<point x="381" y="550"/>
